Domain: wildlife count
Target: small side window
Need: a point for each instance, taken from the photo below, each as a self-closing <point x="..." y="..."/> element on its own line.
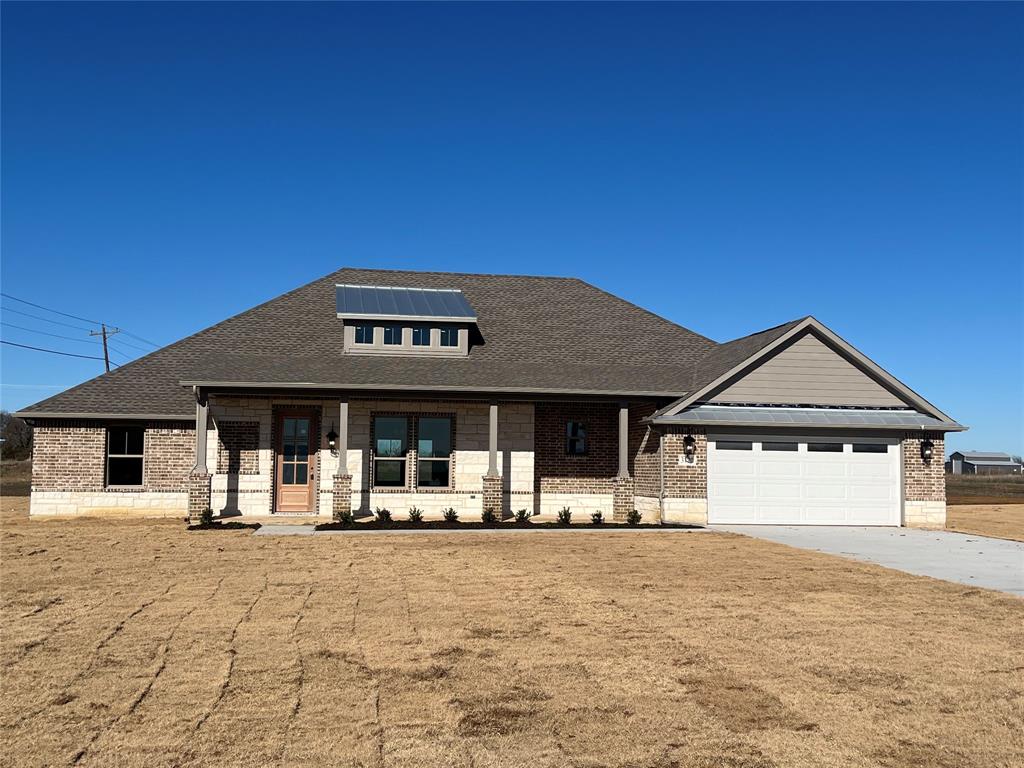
<point x="870" y="448"/>
<point x="124" y="456"/>
<point x="392" y="335"/>
<point x="775" y="446"/>
<point x="421" y="336"/>
<point x="449" y="337"/>
<point x="575" y="438"/>
<point x="364" y="334"/>
<point x="733" y="445"/>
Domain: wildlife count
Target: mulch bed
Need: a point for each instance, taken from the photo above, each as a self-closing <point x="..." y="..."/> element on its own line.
<point x="428" y="525"/>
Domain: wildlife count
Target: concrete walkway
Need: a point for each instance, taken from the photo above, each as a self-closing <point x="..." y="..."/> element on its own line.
<point x="307" y="530"/>
<point x="963" y="558"/>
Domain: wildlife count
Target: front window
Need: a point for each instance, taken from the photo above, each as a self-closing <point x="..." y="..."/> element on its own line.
<point x="390" y="446"/>
<point x="434" y="446"/>
<point x="124" y="455"/>
<point x="364" y="334"/>
<point x="575" y="438"/>
<point x="449" y="337"/>
<point x="392" y="335"/>
<point x="421" y="336"/>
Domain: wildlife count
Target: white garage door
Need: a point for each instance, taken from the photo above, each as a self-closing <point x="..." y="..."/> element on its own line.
<point x="803" y="481"/>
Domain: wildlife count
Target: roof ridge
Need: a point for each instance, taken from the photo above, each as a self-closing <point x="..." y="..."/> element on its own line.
<point x="455" y="274"/>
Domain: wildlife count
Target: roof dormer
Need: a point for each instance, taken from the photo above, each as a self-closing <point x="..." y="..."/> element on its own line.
<point x="404" y="321"/>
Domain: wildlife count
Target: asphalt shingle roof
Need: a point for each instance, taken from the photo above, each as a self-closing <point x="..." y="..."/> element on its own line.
<point x="536" y="334"/>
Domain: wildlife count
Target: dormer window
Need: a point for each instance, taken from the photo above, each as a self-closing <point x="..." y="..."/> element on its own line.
<point x="389" y="320"/>
<point x="364" y="334"/>
<point x="421" y="336"/>
<point x="449" y="337"/>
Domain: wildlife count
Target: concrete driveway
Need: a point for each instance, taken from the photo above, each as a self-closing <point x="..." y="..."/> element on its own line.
<point x="964" y="558"/>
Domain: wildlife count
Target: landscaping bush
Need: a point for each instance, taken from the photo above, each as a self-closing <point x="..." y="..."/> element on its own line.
<point x="207" y="517"/>
<point x="597" y="518"/>
<point x="383" y="515"/>
<point x="488" y="517"/>
<point x="451" y="516"/>
<point x="415" y="515"/>
<point x="347" y="518"/>
<point x="522" y="516"/>
<point x="565" y="516"/>
<point x="633" y="518"/>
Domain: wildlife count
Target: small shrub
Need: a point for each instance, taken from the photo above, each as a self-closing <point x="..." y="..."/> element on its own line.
<point x="565" y="516"/>
<point x="207" y="517"/>
<point x="597" y="518"/>
<point x="383" y="515"/>
<point x="488" y="517"/>
<point x="633" y="518"/>
<point x="522" y="515"/>
<point x="347" y="517"/>
<point x="415" y="515"/>
<point x="451" y="516"/>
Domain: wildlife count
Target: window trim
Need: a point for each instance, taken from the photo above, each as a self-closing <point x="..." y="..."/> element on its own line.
<point x="107" y="457"/>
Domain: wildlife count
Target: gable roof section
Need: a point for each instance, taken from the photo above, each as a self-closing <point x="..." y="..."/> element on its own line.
<point x="536" y="334"/>
<point x="728" y="363"/>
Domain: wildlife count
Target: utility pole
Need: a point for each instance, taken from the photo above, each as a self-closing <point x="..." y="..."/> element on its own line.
<point x="104" y="332"/>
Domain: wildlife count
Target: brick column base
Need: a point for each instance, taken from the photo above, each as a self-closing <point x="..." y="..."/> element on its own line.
<point x="198" y="497"/>
<point x="622" y="498"/>
<point x="341" y="506"/>
<point x="492" y="495"/>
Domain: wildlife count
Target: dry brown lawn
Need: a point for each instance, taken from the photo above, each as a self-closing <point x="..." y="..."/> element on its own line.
<point x="138" y="643"/>
<point x="1004" y="521"/>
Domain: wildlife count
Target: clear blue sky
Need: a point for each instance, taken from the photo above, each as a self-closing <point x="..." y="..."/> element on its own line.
<point x="730" y="167"/>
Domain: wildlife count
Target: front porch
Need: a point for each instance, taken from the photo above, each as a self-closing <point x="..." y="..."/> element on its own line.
<point x="284" y="454"/>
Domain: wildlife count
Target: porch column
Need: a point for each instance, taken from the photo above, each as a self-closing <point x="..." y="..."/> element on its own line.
<point x="492" y="480"/>
<point x="341" y="505"/>
<point x="199" y="490"/>
<point x="622" y="484"/>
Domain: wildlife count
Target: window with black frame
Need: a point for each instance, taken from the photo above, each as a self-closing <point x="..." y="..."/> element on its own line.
<point x="125" y="448"/>
<point x="575" y="438"/>
<point x="390" y="448"/>
<point x="433" y="451"/>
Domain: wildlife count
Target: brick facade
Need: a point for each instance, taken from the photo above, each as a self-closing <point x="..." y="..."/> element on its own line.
<point x="685" y="479"/>
<point x="555" y="471"/>
<point x="644" y="443"/>
<point x="71" y="456"/>
<point x="341" y="497"/>
<point x="622" y="498"/>
<point x="923" y="481"/>
<point x="492" y="495"/>
<point x="238" y="445"/>
<point x="198" y="497"/>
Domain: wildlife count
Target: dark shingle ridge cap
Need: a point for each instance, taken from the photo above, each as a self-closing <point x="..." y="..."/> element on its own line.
<point x="442" y="273"/>
<point x="787" y="325"/>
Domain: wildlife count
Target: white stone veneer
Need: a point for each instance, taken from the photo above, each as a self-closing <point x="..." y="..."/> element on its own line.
<point x="110" y="503"/>
<point x="924" y="514"/>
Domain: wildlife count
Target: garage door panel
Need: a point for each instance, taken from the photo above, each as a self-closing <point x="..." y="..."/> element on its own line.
<point x="802" y="487"/>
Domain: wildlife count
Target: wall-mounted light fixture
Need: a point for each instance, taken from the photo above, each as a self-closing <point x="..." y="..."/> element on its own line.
<point x="927" y="450"/>
<point x="332" y="440"/>
<point x="689" y="447"/>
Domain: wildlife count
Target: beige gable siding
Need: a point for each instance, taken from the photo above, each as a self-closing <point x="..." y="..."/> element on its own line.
<point x="807" y="372"/>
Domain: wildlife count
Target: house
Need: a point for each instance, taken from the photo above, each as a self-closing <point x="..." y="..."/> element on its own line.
<point x="978" y="463"/>
<point x="370" y="388"/>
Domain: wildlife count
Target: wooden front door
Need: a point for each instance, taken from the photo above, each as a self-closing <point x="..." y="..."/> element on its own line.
<point x="295" y="468"/>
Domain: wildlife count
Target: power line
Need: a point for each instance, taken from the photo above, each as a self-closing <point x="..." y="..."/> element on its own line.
<point x="139" y="338"/>
<point x="44" y="333"/>
<point x="67" y="314"/>
<point x="56" y="312"/>
<point x="45" y="319"/>
<point x="51" y="351"/>
<point x="133" y="346"/>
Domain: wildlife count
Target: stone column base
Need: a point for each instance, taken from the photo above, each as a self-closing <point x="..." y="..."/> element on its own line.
<point x="492" y="495"/>
<point x="198" y="497"/>
<point x="924" y="514"/>
<point x="341" y="506"/>
<point x="622" y="498"/>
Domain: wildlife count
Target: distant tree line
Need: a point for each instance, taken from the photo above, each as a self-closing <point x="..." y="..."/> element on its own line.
<point x="17" y="437"/>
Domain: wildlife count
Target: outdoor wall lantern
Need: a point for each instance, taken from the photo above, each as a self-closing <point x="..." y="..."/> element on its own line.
<point x="689" y="447"/>
<point x="332" y="440"/>
<point x="927" y="450"/>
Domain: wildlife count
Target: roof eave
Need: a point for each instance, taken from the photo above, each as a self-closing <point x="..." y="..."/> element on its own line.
<point x="406" y="318"/>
